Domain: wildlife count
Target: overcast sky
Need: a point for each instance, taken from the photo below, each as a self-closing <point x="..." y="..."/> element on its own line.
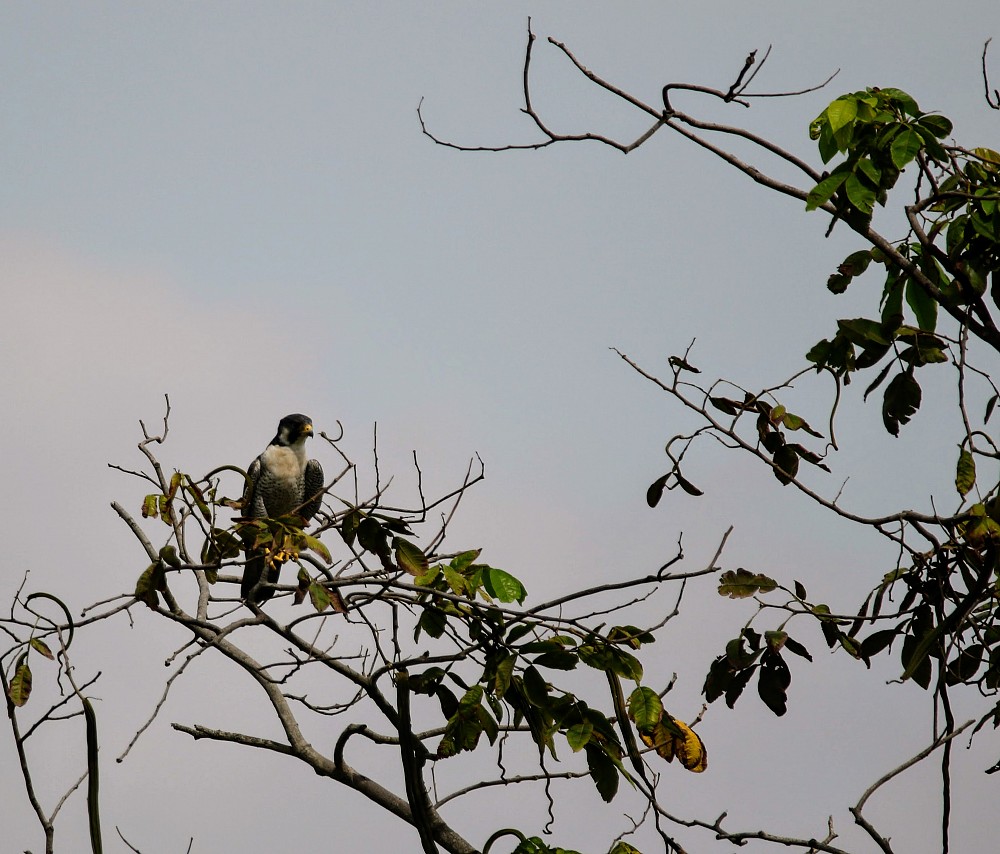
<point x="232" y="203"/>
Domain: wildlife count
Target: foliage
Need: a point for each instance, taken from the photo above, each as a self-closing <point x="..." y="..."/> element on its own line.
<point x="435" y="655"/>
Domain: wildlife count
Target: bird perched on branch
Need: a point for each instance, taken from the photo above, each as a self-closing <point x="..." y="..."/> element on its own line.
<point x="279" y="482"/>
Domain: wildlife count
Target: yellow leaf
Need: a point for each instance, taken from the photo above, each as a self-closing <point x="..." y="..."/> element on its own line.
<point x="687" y="747"/>
<point x="691" y="749"/>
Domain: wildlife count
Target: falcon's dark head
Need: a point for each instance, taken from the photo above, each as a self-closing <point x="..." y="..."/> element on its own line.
<point x="293" y="429"/>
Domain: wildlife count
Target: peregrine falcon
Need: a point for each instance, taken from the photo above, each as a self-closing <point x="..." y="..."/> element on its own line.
<point x="279" y="482"/>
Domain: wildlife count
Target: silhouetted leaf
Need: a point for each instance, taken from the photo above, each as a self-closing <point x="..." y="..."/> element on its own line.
<point x="557" y="660"/>
<point x="878" y="380"/>
<point x="719" y="675"/>
<point x="786" y="461"/>
<point x="736" y="685"/>
<point x="602" y="771"/>
<point x="876" y="642"/>
<point x="773" y="682"/>
<point x="724" y="404"/>
<point x="992" y="402"/>
<point x="682" y="364"/>
<point x="901" y="401"/>
<point x="963" y="668"/>
<point x="686" y="485"/>
<point x="795" y="647"/>
<point x="372" y="536"/>
<point x="655" y="491"/>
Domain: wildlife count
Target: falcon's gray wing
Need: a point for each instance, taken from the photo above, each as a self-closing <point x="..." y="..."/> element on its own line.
<point x="253" y="502"/>
<point x="312" y="492"/>
<point x="253" y="508"/>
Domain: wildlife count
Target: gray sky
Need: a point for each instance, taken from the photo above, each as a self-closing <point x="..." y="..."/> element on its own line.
<point x="233" y="204"/>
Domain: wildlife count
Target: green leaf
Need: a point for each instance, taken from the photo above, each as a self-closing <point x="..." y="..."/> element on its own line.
<point x="741" y="584"/>
<point x="916" y="657"/>
<point x="318" y="547"/>
<point x="462" y="561"/>
<point x="864" y="332"/>
<point x="979" y="527"/>
<point x="20" y="685"/>
<point x="824" y="190"/>
<point x="349" y="525"/>
<point x="168" y="554"/>
<point x="645" y="708"/>
<point x="503" y="586"/>
<point x="409" y="557"/>
<point x="870" y="171"/>
<point x="924" y="306"/>
<point x="456" y="581"/>
<point x="432" y="621"/>
<point x="536" y="689"/>
<point x="775" y="640"/>
<point x="579" y="734"/>
<point x="795" y="422"/>
<point x="42" y="648"/>
<point x="504" y="670"/>
<point x="965" y="476"/>
<point x="319" y="596"/>
<point x="855" y="263"/>
<point x="625" y="664"/>
<point x="837" y="283"/>
<point x="905" y="146"/>
<point x="151" y="581"/>
<point x="841" y="113"/>
<point x="859" y="194"/>
<point x="940" y="126"/>
<point x="557" y="660"/>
